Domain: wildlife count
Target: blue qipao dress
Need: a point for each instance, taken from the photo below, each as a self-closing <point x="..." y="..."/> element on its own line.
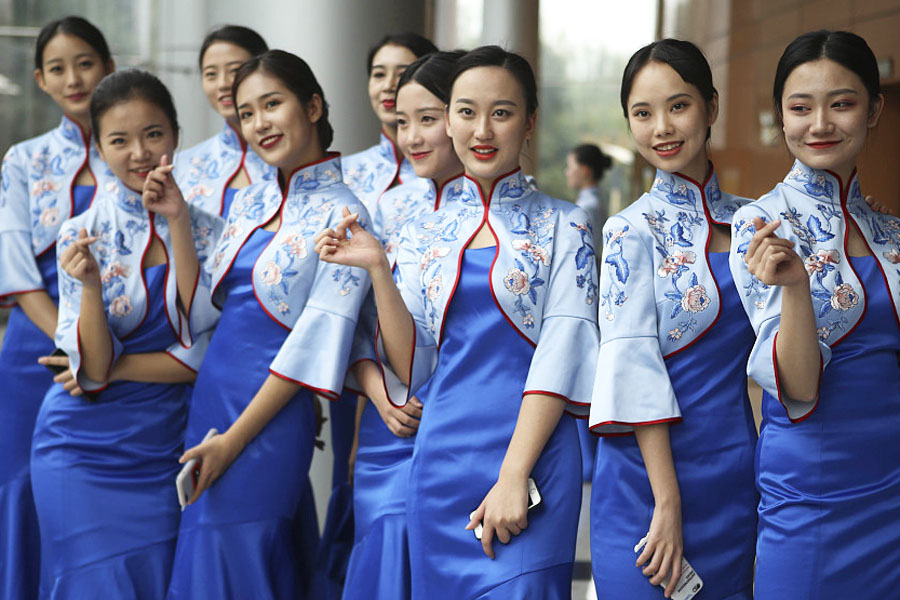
<point x="379" y="564"/>
<point x="283" y="312"/>
<point x="37" y="194"/>
<point x="204" y="171"/>
<point x="493" y="325"/>
<point x="674" y="346"/>
<point x="371" y="172"/>
<point x="828" y="471"/>
<point x="103" y="466"/>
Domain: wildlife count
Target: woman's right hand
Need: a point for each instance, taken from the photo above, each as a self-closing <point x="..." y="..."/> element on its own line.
<point x="772" y="259"/>
<point x="403" y="422"/>
<point x="215" y="456"/>
<point x="77" y="260"/>
<point x="359" y="249"/>
<point x="664" y="548"/>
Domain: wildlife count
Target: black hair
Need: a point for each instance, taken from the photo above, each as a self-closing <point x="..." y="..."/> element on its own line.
<point x="71" y="25"/>
<point x="415" y="43"/>
<point x="129" y="84"/>
<point x="296" y="76"/>
<point x="685" y="58"/>
<point x="240" y="36"/>
<point x="593" y="158"/>
<point x="845" y="48"/>
<point x="433" y="72"/>
<point x="495" y="56"/>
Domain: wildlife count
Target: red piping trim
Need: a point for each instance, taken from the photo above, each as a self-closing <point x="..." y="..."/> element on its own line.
<point x="702" y="187"/>
<point x="230" y="179"/>
<point x="673" y="421"/>
<point x="188" y="309"/>
<point x="256" y="262"/>
<point x="144" y="279"/>
<point x="398" y="158"/>
<point x="555" y="395"/>
<point x="778" y="384"/>
<point x="322" y="392"/>
<point x="176" y="332"/>
<point x="181" y="362"/>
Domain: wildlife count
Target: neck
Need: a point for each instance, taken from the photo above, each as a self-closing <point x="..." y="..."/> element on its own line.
<point x="233" y="123"/>
<point x="284" y="174"/>
<point x="84" y="121"/>
<point x="698" y="172"/>
<point x="390" y="131"/>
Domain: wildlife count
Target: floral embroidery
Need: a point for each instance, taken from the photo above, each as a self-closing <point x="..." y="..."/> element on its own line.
<point x="435" y="288"/>
<point x="618" y="269"/>
<point x="271" y="274"/>
<point x="844" y="297"/>
<point x="822" y="261"/>
<point x="120" y="306"/>
<point x="584" y="261"/>
<point x="815" y="184"/>
<point x="516" y="281"/>
<point x="813" y="230"/>
<point x="675" y="192"/>
<point x="347" y="279"/>
<point x="295" y="245"/>
<point x="676" y="263"/>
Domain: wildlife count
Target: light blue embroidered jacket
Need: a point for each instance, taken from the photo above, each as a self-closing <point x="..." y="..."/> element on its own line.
<point x="543" y="280"/>
<point x="658" y="296"/>
<point x="203" y="171"/>
<point x="36" y="185"/>
<point x="318" y="301"/>
<point x="126" y="229"/>
<point x="369" y="173"/>
<point x="814" y="207"/>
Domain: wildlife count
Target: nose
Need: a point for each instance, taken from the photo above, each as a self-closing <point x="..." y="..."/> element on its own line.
<point x="662" y="126"/>
<point x="414" y="136"/>
<point x="139" y="150"/>
<point x="224" y="81"/>
<point x="821" y="123"/>
<point x="260" y="121"/>
<point x="73" y="78"/>
<point x="483" y="129"/>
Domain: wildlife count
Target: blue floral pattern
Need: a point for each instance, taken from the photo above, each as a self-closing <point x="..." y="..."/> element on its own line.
<point x="370" y="173"/>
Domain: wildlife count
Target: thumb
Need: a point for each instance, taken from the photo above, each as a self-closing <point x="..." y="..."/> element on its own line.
<point x="758" y="223"/>
<point x="82" y="233"/>
<point x="189" y="454"/>
<point x="164" y="161"/>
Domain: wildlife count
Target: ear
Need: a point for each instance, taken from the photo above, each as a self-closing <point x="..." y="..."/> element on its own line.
<point x="314" y="108"/>
<point x="110" y="66"/>
<point x="712" y="109"/>
<point x="99" y="149"/>
<point x="530" y="125"/>
<point x="447" y="121"/>
<point x="875" y="111"/>
<point x="39" y="79"/>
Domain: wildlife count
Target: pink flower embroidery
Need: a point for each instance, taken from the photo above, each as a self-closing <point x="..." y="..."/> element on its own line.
<point x="295" y="245"/>
<point x="435" y="288"/>
<point x="695" y="299"/>
<point x="616" y="235"/>
<point x="892" y="256"/>
<point x="816" y="262"/>
<point x="671" y="263"/>
<point x="283" y="308"/>
<point x="50" y="217"/>
<point x="431" y="255"/>
<point x="113" y="270"/>
<point x="844" y="297"/>
<point x="528" y="320"/>
<point x="537" y="253"/>
<point x="271" y="274"/>
<point x="233" y="230"/>
<point x="516" y="281"/>
<point x="44" y="186"/>
<point x="823" y="333"/>
<point x="120" y="306"/>
<point x="199" y="191"/>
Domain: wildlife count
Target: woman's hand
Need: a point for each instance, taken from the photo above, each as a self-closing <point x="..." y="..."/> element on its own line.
<point x="772" y="259"/>
<point x="403" y="422"/>
<point x="77" y="260"/>
<point x="878" y="206"/>
<point x="67" y="377"/>
<point x="664" y="548"/>
<point x="503" y="512"/>
<point x="359" y="249"/>
<point x="215" y="456"/>
<point x="161" y="194"/>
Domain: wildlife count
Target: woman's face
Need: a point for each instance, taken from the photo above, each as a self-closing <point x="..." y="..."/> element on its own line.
<point x="422" y="134"/>
<point x="576" y="178"/>
<point x="220" y="62"/>
<point x="488" y="122"/>
<point x="669" y="119"/>
<point x="827" y="115"/>
<point x="134" y="135"/>
<point x="70" y="72"/>
<point x="388" y="65"/>
<point x="276" y="124"/>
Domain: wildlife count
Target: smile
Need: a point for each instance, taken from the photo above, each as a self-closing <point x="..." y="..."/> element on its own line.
<point x="270" y="140"/>
<point x="77" y="97"/>
<point x="419" y="155"/>
<point x="485" y="152"/>
<point x="226" y="101"/>
<point x="822" y="145"/>
<point x="141" y="172"/>
<point x="389" y="104"/>
<point x="668" y="149"/>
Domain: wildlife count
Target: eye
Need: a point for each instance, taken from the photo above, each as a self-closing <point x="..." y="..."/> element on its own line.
<point x="843" y="104"/>
<point x="501" y="112"/>
<point x="155" y="133"/>
<point x="210" y="75"/>
<point x="244" y="115"/>
<point x="798" y="109"/>
<point x="466" y="112"/>
<point x="116" y="141"/>
<point x="679" y="106"/>
<point x="428" y="119"/>
<point x="641" y="114"/>
<point x="377" y="74"/>
<point x="86" y="64"/>
<point x="56" y="69"/>
<point x="401" y="122"/>
<point x="272" y="103"/>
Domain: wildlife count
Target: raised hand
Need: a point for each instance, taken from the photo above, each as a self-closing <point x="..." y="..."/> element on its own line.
<point x="161" y="194"/>
<point x="77" y="260"/>
<point x="358" y="249"/>
<point x="772" y="259"/>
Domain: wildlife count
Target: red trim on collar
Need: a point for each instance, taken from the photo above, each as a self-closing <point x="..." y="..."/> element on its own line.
<point x="328" y="156"/>
<point x="493" y="184"/>
<point x="842" y="191"/>
<point x="440" y="189"/>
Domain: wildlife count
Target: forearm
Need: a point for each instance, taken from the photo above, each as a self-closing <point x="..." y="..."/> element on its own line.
<point x="40" y="308"/>
<point x="395" y="322"/>
<point x="368" y="376"/>
<point x="653" y="440"/>
<point x="151" y="367"/>
<point x="187" y="266"/>
<point x="796" y="347"/>
<point x="93" y="332"/>
<point x="538" y="418"/>
<point x="274" y="394"/>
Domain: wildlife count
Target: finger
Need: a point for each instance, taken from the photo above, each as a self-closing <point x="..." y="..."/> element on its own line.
<point x="513" y="529"/>
<point x="343" y="225"/>
<point x="57" y="361"/>
<point x="415" y="402"/>
<point x="325" y="233"/>
<point x="77" y="391"/>
<point x="645" y="555"/>
<point x="476" y="516"/>
<point x="412" y="410"/>
<point x="164" y="160"/>
<point x="203" y="482"/>
<point x="664" y="568"/>
<point x="191" y="453"/>
<point x="487" y="537"/>
<point x="762" y="233"/>
<point x="503" y="534"/>
<point x="653" y="566"/>
<point x="676" y="575"/>
<point x="407" y="420"/>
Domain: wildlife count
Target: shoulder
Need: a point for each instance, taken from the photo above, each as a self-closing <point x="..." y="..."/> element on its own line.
<point x="357" y="158"/>
<point x="185" y="156"/>
<point x="21" y="151"/>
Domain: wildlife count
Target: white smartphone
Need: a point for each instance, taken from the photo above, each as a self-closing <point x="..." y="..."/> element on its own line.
<point x="534" y="498"/>
<point x="689" y="584"/>
<point x="186" y="482"/>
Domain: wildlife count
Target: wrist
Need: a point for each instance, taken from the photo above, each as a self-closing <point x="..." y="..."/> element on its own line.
<point x="515" y="471"/>
<point x="381" y="269"/>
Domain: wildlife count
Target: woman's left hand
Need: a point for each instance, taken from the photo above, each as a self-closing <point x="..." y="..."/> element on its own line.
<point x="215" y="455"/>
<point x="161" y="194"/>
<point x="67" y="377"/>
<point x="878" y="206"/>
<point x="503" y="512"/>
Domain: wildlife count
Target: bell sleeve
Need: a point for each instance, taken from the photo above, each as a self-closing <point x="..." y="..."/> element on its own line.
<point x="568" y="342"/>
<point x="631" y="384"/>
<point x="762" y="304"/>
<point x="315" y="354"/>
<point x="67" y="336"/>
<point x="19" y="272"/>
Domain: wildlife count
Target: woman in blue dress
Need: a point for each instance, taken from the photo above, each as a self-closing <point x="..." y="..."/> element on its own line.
<point x="211" y="173"/>
<point x="285" y="326"/>
<point x="379" y="565"/>
<point x="373" y="171"/>
<point x="497" y="288"/>
<point x="44" y="181"/>
<point x="103" y="466"/>
<point x="674" y="346"/>
<point x="817" y="270"/>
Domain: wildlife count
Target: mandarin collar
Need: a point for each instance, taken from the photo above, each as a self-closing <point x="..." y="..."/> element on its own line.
<point x="388" y="149"/>
<point x="124" y="197"/>
<point x="511" y="186"/>
<point x="316" y="175"/>
<point x="688" y="194"/>
<point x="231" y="139"/>
<point x="823" y="185"/>
<point x="72" y="131"/>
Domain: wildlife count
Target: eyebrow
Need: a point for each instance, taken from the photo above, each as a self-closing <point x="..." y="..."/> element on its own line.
<point x="496" y="103"/>
<point x="385" y="66"/>
<point x="669" y="99"/>
<point x="831" y="93"/>
<point x="59" y="58"/>
<point x="263" y="97"/>
<point x="228" y="64"/>
<point x="147" y="128"/>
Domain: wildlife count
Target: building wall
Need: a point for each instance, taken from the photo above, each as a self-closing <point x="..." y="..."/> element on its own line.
<point x="743" y="40"/>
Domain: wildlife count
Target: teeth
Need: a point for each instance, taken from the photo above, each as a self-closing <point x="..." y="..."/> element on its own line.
<point x="483" y="150"/>
<point x="667" y="147"/>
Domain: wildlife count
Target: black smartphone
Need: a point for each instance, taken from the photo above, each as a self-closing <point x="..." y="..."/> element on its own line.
<point x="56" y="368"/>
